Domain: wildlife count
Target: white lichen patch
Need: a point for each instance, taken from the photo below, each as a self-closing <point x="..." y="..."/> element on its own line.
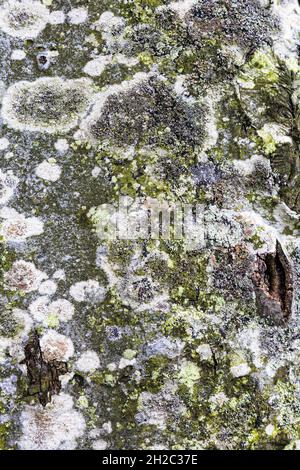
<point x="122" y="59"/>
<point x="46" y="104"/>
<point x="18" y="54"/>
<point x="23" y="276"/>
<point x="88" y="291"/>
<point x="96" y="171"/>
<point x="126" y="363"/>
<point x="112" y="29"/>
<point x="255" y="224"/>
<point x="60" y="275"/>
<point x="182" y="6"/>
<point x="57" y="426"/>
<point x="2" y="90"/>
<point x="4" y="143"/>
<point x="48" y="287"/>
<point x="240" y="370"/>
<point x="150" y="413"/>
<point x="180" y="88"/>
<point x="17" y="228"/>
<point x="57" y="17"/>
<point x="78" y="15"/>
<point x="61" y="145"/>
<point x="141" y="292"/>
<point x="88" y="362"/>
<point x="221" y="228"/>
<point x="247" y="167"/>
<point x="8" y="183"/>
<point x="269" y="429"/>
<point x="62" y="309"/>
<point x="56" y="347"/>
<point x="23" y="19"/>
<point x="163" y="346"/>
<point x="205" y="352"/>
<point x="48" y="171"/>
<point x="288" y="12"/>
<point x="218" y="400"/>
<point x="39" y="308"/>
<point x="100" y="444"/>
<point x="51" y="313"/>
<point x="153" y="409"/>
<point x="95" y="67"/>
<point x="249" y="340"/>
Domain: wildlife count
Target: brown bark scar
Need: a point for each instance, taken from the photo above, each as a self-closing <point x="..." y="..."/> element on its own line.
<point x="43" y="377"/>
<point x="273" y="279"/>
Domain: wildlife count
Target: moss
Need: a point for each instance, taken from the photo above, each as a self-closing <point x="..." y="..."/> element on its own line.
<point x="146" y="58"/>
<point x="5" y="429"/>
<point x="177" y="323"/>
<point x="157" y="370"/>
<point x="139" y="11"/>
<point x="256" y="241"/>
<point x="262" y="68"/>
<point x="188" y="277"/>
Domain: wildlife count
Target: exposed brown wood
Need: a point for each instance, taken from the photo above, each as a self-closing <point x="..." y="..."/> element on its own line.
<point x="43" y="377"/>
<point x="274" y="285"/>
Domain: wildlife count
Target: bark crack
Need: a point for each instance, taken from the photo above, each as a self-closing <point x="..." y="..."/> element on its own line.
<point x="43" y="377"/>
<point x="273" y="279"/>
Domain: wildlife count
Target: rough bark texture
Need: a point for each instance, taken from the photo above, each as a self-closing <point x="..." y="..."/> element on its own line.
<point x="144" y="342"/>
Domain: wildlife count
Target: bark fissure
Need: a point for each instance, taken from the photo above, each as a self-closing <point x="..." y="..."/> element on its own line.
<point x="43" y="377"/>
<point x="274" y="285"/>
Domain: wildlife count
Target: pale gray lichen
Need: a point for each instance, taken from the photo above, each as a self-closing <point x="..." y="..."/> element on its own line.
<point x="46" y="104"/>
<point x="16" y="227"/>
<point x="191" y="343"/>
<point x="88" y="291"/>
<point x="24" y="276"/>
<point x="51" y="313"/>
<point x="88" y="362"/>
<point x="23" y="19"/>
<point x="57" y="426"/>
<point x="56" y="347"/>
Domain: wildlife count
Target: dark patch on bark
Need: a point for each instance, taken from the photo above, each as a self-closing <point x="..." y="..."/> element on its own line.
<point x="43" y="377"/>
<point x="273" y="280"/>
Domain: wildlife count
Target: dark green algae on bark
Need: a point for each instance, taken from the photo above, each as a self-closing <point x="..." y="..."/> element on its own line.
<point x="149" y="344"/>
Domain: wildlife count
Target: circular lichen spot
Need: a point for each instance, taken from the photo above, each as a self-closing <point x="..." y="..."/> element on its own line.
<point x="23" y="19"/>
<point x="46" y="105"/>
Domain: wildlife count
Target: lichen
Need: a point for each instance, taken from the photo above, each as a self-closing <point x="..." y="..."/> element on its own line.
<point x="139" y="338"/>
<point x="46" y="105"/>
